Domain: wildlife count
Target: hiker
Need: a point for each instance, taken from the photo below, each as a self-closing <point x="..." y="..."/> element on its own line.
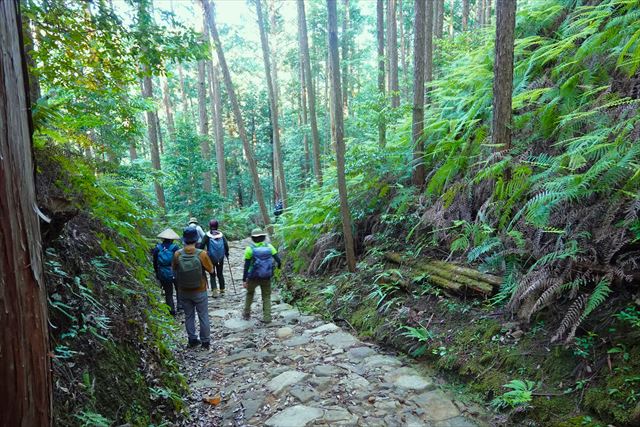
<point x="188" y="263"/>
<point x="217" y="248"/>
<point x="193" y="222"/>
<point x="259" y="260"/>
<point x="278" y="209"/>
<point x="162" y="260"/>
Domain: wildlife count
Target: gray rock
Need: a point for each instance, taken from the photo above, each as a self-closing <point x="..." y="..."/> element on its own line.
<point x="386" y="405"/>
<point x="381" y="360"/>
<point x="238" y="324"/>
<point x="321" y="383"/>
<point x="340" y="340"/>
<point x="290" y="316"/>
<point x="306" y="319"/>
<point x="358" y="353"/>
<point x="281" y="307"/>
<point x="284" y="380"/>
<point x="246" y="354"/>
<point x="436" y="405"/>
<point x="412" y="420"/>
<point x="413" y="382"/>
<point x="252" y="402"/>
<point x="339" y="417"/>
<point x="223" y="312"/>
<point x="456" y="422"/>
<point x="204" y="384"/>
<point x="355" y="382"/>
<point x="296" y="341"/>
<point x="326" y="370"/>
<point x="295" y="416"/>
<point x="284" y="333"/>
<point x="329" y="327"/>
<point x="303" y="393"/>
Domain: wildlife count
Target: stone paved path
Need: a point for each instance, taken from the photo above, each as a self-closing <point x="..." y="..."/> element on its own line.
<point x="301" y="371"/>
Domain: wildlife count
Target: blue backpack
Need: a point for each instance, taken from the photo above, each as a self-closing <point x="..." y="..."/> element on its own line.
<point x="165" y="257"/>
<point x="262" y="266"/>
<point x="215" y="249"/>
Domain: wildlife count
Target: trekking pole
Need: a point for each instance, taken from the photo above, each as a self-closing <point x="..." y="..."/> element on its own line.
<point x="232" y="281"/>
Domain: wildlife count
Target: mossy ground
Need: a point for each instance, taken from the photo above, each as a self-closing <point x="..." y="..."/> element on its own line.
<point x="472" y="343"/>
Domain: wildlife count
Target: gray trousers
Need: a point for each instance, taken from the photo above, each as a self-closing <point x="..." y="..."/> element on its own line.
<point x="196" y="302"/>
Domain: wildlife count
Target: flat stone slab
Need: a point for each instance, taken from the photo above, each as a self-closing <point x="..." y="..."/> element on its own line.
<point x="238" y="324"/>
<point x="204" y="384"/>
<point x="281" y="307"/>
<point x="289" y="315"/>
<point x="340" y="340"/>
<point x="296" y="341"/>
<point x="436" y="405"/>
<point x="358" y="353"/>
<point x="284" y="332"/>
<point x="326" y="370"/>
<point x="381" y="360"/>
<point x="221" y="312"/>
<point x="303" y="393"/>
<point x="456" y="422"/>
<point x="355" y="382"/>
<point x="329" y="327"/>
<point x="247" y="354"/>
<point x="284" y="380"/>
<point x="413" y="382"/>
<point x="339" y="417"/>
<point x="295" y="416"/>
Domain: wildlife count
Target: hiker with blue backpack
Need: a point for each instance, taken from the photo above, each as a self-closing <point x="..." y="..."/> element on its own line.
<point x="217" y="248"/>
<point x="260" y="258"/>
<point x="162" y="259"/>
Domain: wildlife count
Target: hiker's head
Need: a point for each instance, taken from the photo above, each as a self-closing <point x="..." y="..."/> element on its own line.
<point x="213" y="224"/>
<point x="257" y="235"/>
<point x="193" y="220"/>
<point x="190" y="235"/>
<point x="168" y="236"/>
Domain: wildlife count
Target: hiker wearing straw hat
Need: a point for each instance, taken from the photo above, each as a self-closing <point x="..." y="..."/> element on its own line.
<point x="162" y="257"/>
<point x="259" y="260"/>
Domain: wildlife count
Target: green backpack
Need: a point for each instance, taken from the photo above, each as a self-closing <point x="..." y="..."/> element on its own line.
<point x="189" y="272"/>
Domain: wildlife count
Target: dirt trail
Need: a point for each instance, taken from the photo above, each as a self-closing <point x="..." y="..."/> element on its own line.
<point x="300" y="370"/>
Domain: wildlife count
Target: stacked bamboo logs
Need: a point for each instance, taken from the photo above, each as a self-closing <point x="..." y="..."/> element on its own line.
<point x="452" y="277"/>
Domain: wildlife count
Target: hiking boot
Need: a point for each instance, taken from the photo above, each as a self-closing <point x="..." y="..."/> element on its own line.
<point x="266" y="321"/>
<point x="214" y="293"/>
<point x="221" y="292"/>
<point x="246" y="317"/>
<point x="193" y="343"/>
<point x="206" y="345"/>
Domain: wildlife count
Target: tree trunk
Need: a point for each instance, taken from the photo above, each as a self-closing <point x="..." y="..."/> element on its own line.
<point x="166" y="96"/>
<point x="465" y="15"/>
<point x="203" y="127"/>
<point x="279" y="180"/>
<point x="338" y="125"/>
<point x="183" y="93"/>
<point x="428" y="47"/>
<point x="380" y="36"/>
<point x="25" y="380"/>
<point x="503" y="73"/>
<point x="418" y="92"/>
<point x="29" y="47"/>
<point x="235" y="106"/>
<point x="303" y="107"/>
<point x="480" y="6"/>
<point x="452" y="11"/>
<point x="152" y="126"/>
<point x="133" y="152"/>
<point x="439" y="19"/>
<point x="392" y="49"/>
<point x="218" y="129"/>
<point x="160" y="139"/>
<point x="304" y="48"/>
<point x="345" y="59"/>
<point x="487" y="15"/>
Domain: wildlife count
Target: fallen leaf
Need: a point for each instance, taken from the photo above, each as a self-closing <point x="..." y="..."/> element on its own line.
<point x="212" y="400"/>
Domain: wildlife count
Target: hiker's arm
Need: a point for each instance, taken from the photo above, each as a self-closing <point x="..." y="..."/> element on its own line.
<point x="245" y="273"/>
<point x="205" y="242"/>
<point x="277" y="258"/>
<point x="206" y="261"/>
<point x="174" y="261"/>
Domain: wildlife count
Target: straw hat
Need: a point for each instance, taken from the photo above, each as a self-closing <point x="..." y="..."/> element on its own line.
<point x="256" y="232"/>
<point x="168" y="234"/>
<point x="193" y="220"/>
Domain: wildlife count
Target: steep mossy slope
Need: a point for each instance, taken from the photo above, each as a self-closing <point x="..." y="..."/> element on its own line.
<point x="110" y="338"/>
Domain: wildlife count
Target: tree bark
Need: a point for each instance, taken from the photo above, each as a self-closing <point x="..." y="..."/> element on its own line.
<point x="152" y="127"/>
<point x="403" y="58"/>
<point x="465" y="15"/>
<point x="218" y="129"/>
<point x="183" y="93"/>
<point x="503" y="73"/>
<point x="133" y="152"/>
<point x="311" y="98"/>
<point x="166" y="96"/>
<point x="381" y="61"/>
<point x="480" y="6"/>
<point x="452" y="19"/>
<point x="420" y="29"/>
<point x="487" y="16"/>
<point x="29" y="48"/>
<point x="392" y="49"/>
<point x="439" y="19"/>
<point x="203" y="128"/>
<point x="235" y="106"/>
<point x="25" y="376"/>
<point x="345" y="58"/>
<point x="428" y="47"/>
<point x="303" y="107"/>
<point x="338" y="125"/>
<point x="279" y="180"/>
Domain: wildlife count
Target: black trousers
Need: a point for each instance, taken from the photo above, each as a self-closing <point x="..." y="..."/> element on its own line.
<point x="217" y="272"/>
<point x="168" y="287"/>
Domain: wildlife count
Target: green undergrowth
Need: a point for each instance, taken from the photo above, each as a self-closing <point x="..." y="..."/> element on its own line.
<point x="111" y="337"/>
<point x="470" y="342"/>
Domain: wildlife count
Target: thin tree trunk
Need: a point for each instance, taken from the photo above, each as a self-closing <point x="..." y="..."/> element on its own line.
<point x="203" y="127"/>
<point x="235" y="106"/>
<point x="418" y="92"/>
<point x="380" y="36"/>
<point x="503" y="73"/>
<point x="25" y="376"/>
<point x="403" y="56"/>
<point x="273" y="102"/>
<point x="304" y="48"/>
<point x="465" y="15"/>
<point x="160" y="138"/>
<point x="428" y="48"/>
<point x="345" y="59"/>
<point x="487" y="19"/>
<point x="452" y="11"/>
<point x="166" y="96"/>
<point x="303" y="102"/>
<point x="392" y="46"/>
<point x="339" y="134"/>
<point x="436" y="6"/>
<point x="218" y="129"/>
<point x="29" y="49"/>
<point x="152" y="126"/>
<point x="480" y="6"/>
<point x="133" y="152"/>
<point x="183" y="93"/>
<point x="440" y="19"/>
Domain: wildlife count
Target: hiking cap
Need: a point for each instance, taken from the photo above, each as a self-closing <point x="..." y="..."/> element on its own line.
<point x="168" y="234"/>
<point x="213" y="224"/>
<point x="256" y="232"/>
<point x="193" y="220"/>
<point x="190" y="235"/>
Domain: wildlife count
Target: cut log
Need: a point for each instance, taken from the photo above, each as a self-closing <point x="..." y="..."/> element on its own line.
<point x="475" y="285"/>
<point x="395" y="257"/>
<point x="446" y="283"/>
<point x="469" y="272"/>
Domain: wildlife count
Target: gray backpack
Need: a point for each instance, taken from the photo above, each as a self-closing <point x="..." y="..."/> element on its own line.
<point x="189" y="271"/>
